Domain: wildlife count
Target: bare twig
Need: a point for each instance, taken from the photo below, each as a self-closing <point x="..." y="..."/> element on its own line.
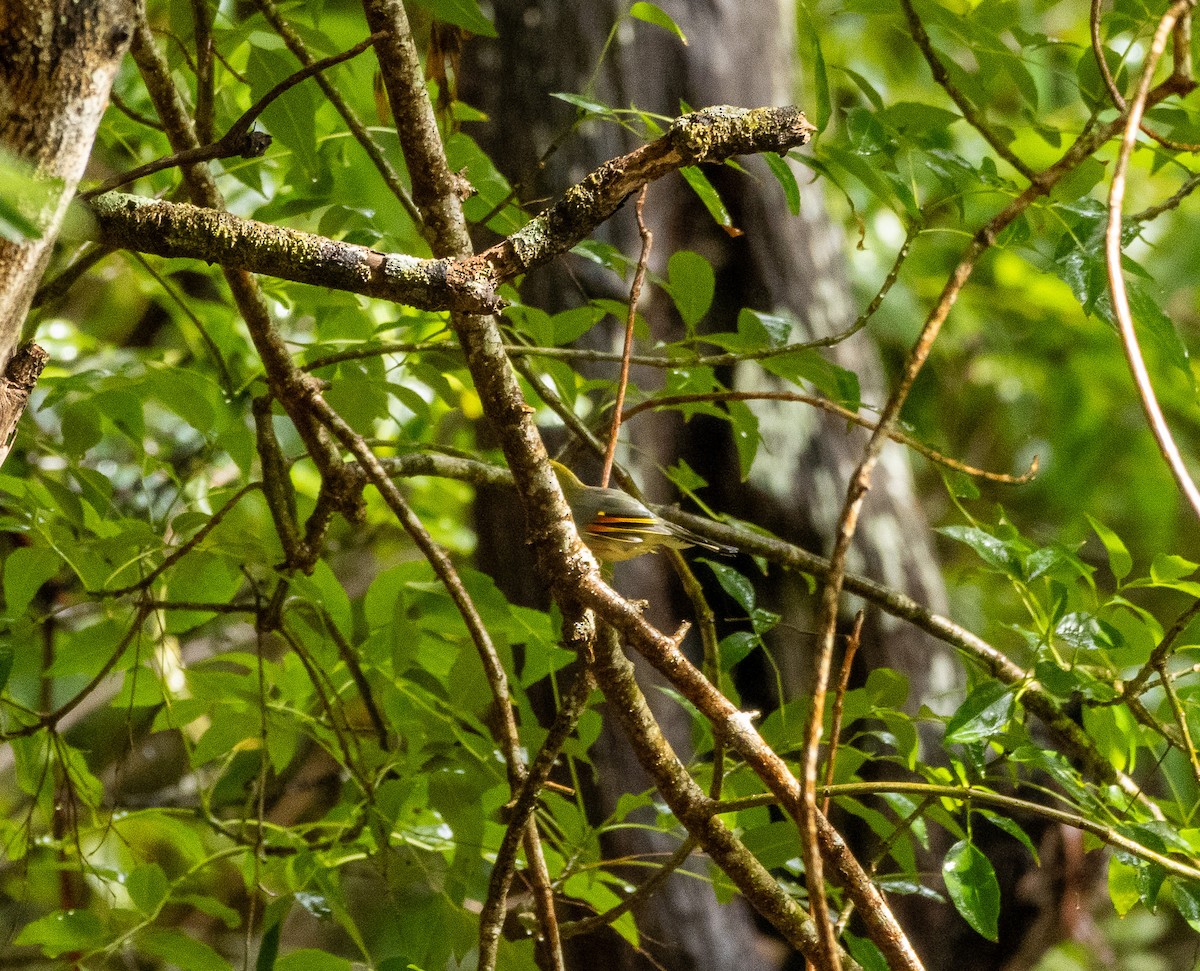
<point x="1162" y="650"/>
<point x="184" y="548"/>
<point x="385" y="168"/>
<point x="635" y="293"/>
<point x="239" y="140"/>
<point x="850" y="416"/>
<point x="1107" y="834"/>
<point x="1116" y="277"/>
<point x="1185" y="733"/>
<point x="1182" y="73"/>
<point x="853" y="640"/>
<point x="970" y="113"/>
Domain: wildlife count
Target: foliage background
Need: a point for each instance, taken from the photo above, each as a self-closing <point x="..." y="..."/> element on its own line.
<point x="221" y="761"/>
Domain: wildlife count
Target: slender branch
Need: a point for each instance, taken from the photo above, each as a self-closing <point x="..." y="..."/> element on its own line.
<point x="1162" y="650"/>
<point x="202" y="20"/>
<point x="184" y="548"/>
<point x="239" y="140"/>
<point x="1109" y="835"/>
<point x="579" y="632"/>
<point x="839" y="699"/>
<point x="1182" y="73"/>
<point x="1185" y="733"/>
<point x="644" y="890"/>
<point x="385" y="168"/>
<point x="1116" y="277"/>
<point x="51" y="719"/>
<point x="834" y="408"/>
<point x="691" y="807"/>
<point x="346" y="653"/>
<point x="1153" y="212"/>
<point x="635" y="294"/>
<point x="210" y="345"/>
<point x="974" y="117"/>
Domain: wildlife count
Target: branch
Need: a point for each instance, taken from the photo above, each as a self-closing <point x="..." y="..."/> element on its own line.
<point x="468" y="283"/>
<point x="239" y="140"/>
<point x="16" y="384"/>
<point x="1116" y="278"/>
<point x="836" y="409"/>
<point x="173" y="229"/>
<point x="687" y="800"/>
<point x="1107" y="834"/>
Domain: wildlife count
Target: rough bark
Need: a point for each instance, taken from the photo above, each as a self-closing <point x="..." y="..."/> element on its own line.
<point x="57" y="63"/>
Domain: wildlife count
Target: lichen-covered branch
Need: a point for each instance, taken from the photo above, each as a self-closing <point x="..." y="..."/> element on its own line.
<point x="457" y="281"/>
<point x="180" y="230"/>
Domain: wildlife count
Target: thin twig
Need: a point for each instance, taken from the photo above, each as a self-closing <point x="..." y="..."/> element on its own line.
<point x="834" y="408"/>
<point x="642" y="892"/>
<point x="211" y="345"/>
<point x="579" y="631"/>
<point x="635" y="294"/>
<point x="1110" y="835"/>
<point x="1153" y="212"/>
<point x="853" y="640"/>
<point x="1185" y="733"/>
<point x="238" y="140"/>
<point x="1116" y="276"/>
<point x="973" y="117"/>
<point x="184" y="548"/>
<point x="385" y="168"/>
<point x="1182" y="73"/>
<point x="1162" y="650"/>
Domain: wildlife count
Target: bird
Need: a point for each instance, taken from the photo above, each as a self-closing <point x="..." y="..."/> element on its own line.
<point x="615" y="526"/>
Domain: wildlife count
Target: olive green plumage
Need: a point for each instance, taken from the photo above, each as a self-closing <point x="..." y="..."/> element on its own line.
<point x="616" y="527"/>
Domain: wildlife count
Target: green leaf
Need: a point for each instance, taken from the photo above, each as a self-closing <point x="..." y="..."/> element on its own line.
<point x="25" y="570"/>
<point x="734" y="584"/>
<point x="1119" y="560"/>
<point x="1122" y="886"/>
<point x="62" y="931"/>
<point x="179" y="950"/>
<point x="786" y="178"/>
<point x="710" y="197"/>
<point x="986" y="712"/>
<point x="588" y="107"/>
<point x="1169" y="568"/>
<point x="1012" y="828"/>
<point x="972" y="885"/>
<point x="998" y="553"/>
<point x="654" y="14"/>
<point x="268" y="949"/>
<point x="745" y="433"/>
<point x="1186" y="894"/>
<point x="691" y="283"/>
<point x="148" y="887"/>
<point x="807" y="31"/>
<point x="310" y="959"/>
<point x="462" y="13"/>
<point x="290" y="118"/>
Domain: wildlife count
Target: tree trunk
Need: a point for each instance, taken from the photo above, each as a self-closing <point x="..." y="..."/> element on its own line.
<point x="57" y="63"/>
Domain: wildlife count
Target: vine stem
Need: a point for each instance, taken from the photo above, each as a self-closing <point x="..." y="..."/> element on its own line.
<point x="1112" y="256"/>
